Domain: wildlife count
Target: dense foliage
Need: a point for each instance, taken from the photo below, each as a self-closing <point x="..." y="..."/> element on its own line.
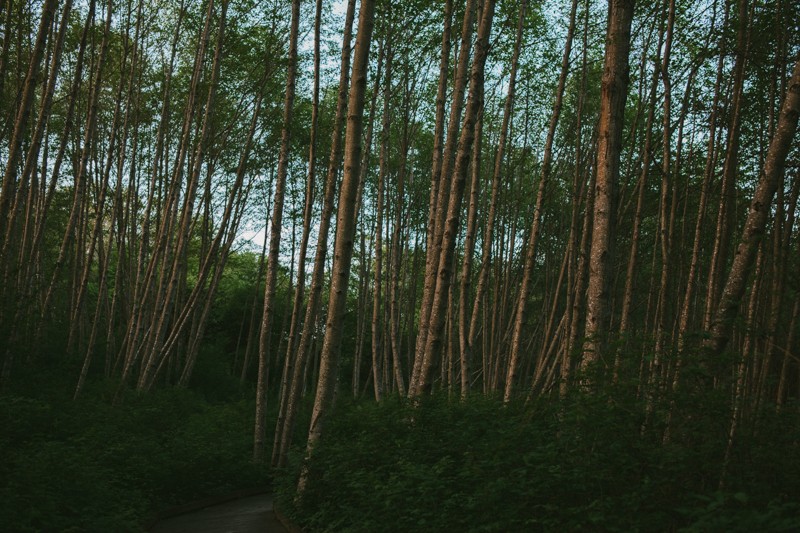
<point x="92" y="466"/>
<point x="481" y="199"/>
<point x="579" y="465"/>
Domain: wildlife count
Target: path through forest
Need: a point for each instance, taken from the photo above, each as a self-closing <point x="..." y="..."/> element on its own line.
<point x="252" y="514"/>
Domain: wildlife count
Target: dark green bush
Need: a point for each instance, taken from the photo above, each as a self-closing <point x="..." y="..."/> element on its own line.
<point x="89" y="466"/>
<point x="582" y="464"/>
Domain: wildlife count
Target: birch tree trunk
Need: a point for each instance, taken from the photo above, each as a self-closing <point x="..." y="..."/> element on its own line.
<point x="275" y="243"/>
<point x="315" y="294"/>
<point x="343" y="247"/>
<point x="771" y="175"/>
<point x="614" y="91"/>
<point x="451" y="220"/>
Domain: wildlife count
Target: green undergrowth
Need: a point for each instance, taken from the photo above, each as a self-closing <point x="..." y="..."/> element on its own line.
<point x="88" y="465"/>
<point x="582" y="464"/>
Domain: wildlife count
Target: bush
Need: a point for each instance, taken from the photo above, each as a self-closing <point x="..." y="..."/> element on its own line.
<point x="582" y="464"/>
<point x="88" y="466"/>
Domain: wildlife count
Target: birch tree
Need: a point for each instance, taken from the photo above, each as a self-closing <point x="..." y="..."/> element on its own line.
<point x="343" y="247"/>
<point x="275" y="243"/>
<point x="612" y="104"/>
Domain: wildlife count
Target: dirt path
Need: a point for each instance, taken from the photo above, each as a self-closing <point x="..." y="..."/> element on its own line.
<point x="252" y="514"/>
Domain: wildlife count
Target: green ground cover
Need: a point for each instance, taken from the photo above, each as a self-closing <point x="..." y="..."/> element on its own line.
<point x="88" y="465"/>
<point x="580" y="465"/>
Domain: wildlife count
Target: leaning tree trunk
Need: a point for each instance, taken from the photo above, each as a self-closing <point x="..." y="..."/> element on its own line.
<point x="442" y="185"/>
<point x="275" y="244"/>
<point x="694" y="263"/>
<point x="722" y="323"/>
<point x="343" y="247"/>
<point x="8" y="190"/>
<point x="81" y="176"/>
<point x="469" y="250"/>
<point x="284" y="427"/>
<point x="451" y="220"/>
<point x="299" y="294"/>
<point x="533" y="238"/>
<point x="757" y="216"/>
<point x="633" y="255"/>
<point x="726" y="212"/>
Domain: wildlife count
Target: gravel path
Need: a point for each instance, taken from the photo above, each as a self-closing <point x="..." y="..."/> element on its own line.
<point x="252" y="514"/>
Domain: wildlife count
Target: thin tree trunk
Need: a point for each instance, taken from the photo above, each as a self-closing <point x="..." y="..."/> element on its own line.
<point x="216" y="256"/>
<point x="366" y="260"/>
<point x="31" y="160"/>
<point x="20" y="291"/>
<point x="314" y="297"/>
<point x="741" y="369"/>
<point x="664" y="219"/>
<point x="533" y="238"/>
<point x="143" y="278"/>
<point x="466" y="348"/>
<point x="81" y="174"/>
<point x="694" y="262"/>
<point x="451" y="218"/>
<point x="722" y="324"/>
<point x="8" y="190"/>
<point x="275" y="244"/>
<point x="343" y="247"/>
<point x="631" y="272"/>
<point x="784" y="375"/>
<point x="146" y="330"/>
<point x="377" y="306"/>
<point x="442" y="185"/>
<point x="782" y="232"/>
<point x="173" y="307"/>
<point x="397" y="243"/>
<point x="299" y="294"/>
<point x="99" y="218"/>
<point x="725" y="214"/>
<point x="252" y="329"/>
<point x="438" y="135"/>
<point x="578" y="273"/>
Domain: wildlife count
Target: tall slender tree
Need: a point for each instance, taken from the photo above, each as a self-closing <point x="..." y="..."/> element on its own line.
<point x="441" y="184"/>
<point x="757" y="216"/>
<point x="614" y="91"/>
<point x="451" y="220"/>
<point x="276" y="225"/>
<point x="285" y="426"/>
<point x="343" y="247"/>
<point x="299" y="293"/>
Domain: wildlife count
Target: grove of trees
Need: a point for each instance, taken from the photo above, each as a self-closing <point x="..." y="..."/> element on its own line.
<point x="528" y="201"/>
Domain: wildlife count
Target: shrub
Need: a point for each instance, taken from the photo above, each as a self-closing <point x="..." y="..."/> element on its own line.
<point x="581" y="464"/>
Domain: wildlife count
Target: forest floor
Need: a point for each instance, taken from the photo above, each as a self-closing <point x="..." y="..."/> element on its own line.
<point x="252" y="514"/>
